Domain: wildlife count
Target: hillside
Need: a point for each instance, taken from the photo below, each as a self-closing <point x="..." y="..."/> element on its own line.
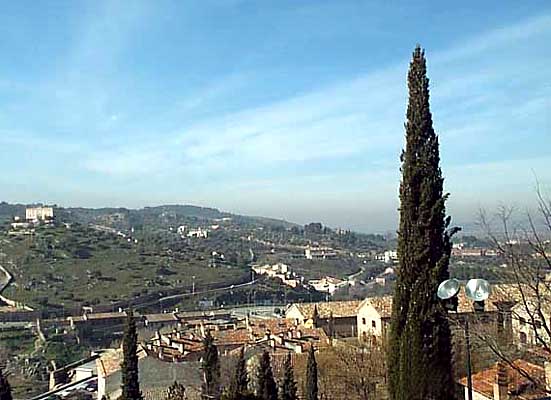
<point x="111" y="255"/>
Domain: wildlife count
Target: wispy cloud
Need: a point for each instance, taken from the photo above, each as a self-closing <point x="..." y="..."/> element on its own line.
<point x="116" y="125"/>
<point x="363" y="116"/>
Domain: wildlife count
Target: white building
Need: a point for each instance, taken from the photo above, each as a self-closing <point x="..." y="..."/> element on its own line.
<point x="312" y="253"/>
<point x="390" y="256"/>
<point x="181" y="230"/>
<point x="198" y="233"/>
<point x="39" y="213"/>
<point x="279" y="271"/>
<point x="327" y="284"/>
<point x="374" y="318"/>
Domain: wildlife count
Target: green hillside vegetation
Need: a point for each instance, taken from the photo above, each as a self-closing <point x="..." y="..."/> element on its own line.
<point x="79" y="265"/>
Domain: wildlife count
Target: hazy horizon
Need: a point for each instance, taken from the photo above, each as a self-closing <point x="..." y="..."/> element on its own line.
<point x="278" y="110"/>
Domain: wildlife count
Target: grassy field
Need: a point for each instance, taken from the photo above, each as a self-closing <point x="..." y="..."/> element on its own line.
<point x="68" y="266"/>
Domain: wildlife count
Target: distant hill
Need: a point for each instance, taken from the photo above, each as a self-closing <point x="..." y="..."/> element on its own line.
<point x="124" y="218"/>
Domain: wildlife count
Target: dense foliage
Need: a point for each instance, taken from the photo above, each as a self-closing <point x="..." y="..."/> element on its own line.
<point x="311" y="376"/>
<point x="267" y="388"/>
<point x="420" y="335"/>
<point x="129" y="366"/>
<point x="239" y="380"/>
<point x="5" y="389"/>
<point x="211" y="369"/>
<point x="288" y="389"/>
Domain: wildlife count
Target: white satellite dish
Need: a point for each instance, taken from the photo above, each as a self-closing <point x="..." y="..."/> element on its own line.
<point x="448" y="289"/>
<point x="477" y="289"/>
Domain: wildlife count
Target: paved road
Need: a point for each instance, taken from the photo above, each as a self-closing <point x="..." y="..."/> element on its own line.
<point x="356" y="274"/>
<point x="5" y="278"/>
<point x="182" y="295"/>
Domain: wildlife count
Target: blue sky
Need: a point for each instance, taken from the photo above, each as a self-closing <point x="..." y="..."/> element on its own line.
<point x="287" y="108"/>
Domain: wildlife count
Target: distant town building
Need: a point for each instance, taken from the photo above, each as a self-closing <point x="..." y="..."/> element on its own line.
<point x="337" y="318"/>
<point x="181" y="230"/>
<point x="39" y="213"/>
<point x="327" y="284"/>
<point x="279" y="271"/>
<point x="390" y="256"/>
<point x="459" y="250"/>
<point x="312" y="253"/>
<point x="198" y="233"/>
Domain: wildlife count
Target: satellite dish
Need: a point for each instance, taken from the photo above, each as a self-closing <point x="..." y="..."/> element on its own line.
<point x="477" y="289"/>
<point x="448" y="289"/>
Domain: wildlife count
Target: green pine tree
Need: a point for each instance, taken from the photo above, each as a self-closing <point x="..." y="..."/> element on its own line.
<point x="288" y="390"/>
<point x="176" y="391"/>
<point x="311" y="376"/>
<point x="267" y="388"/>
<point x="419" y="358"/>
<point x="129" y="366"/>
<point x="211" y="369"/>
<point x="5" y="388"/>
<point x="239" y="382"/>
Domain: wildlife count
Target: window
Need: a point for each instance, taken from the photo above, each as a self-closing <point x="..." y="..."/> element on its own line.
<point x="523" y="339"/>
<point x="363" y="321"/>
<point x="537" y="324"/>
<point x="373" y="324"/>
<point x="521" y="321"/>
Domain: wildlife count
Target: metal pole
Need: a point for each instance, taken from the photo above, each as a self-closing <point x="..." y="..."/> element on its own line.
<point x="469" y="375"/>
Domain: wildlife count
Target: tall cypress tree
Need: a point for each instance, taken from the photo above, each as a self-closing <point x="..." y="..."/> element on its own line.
<point x="267" y="388"/>
<point x="419" y="358"/>
<point x="288" y="388"/>
<point x="239" y="382"/>
<point x="311" y="376"/>
<point x="211" y="369"/>
<point x="129" y="366"/>
<point x="5" y="388"/>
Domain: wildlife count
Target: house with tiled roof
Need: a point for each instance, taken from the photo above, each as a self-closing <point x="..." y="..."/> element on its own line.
<point x="373" y="317"/>
<point x="155" y="374"/>
<point x="337" y="318"/>
<point x="520" y="380"/>
<point x="373" y="314"/>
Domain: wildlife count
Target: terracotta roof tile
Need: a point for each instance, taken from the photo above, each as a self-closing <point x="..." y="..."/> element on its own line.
<point x="483" y="381"/>
<point x="340" y="309"/>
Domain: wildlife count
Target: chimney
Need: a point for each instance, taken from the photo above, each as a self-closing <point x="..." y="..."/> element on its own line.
<point x="501" y="384"/>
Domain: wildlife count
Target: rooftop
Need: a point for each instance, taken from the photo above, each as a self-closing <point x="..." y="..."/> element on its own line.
<point x="522" y="387"/>
<point x="340" y="309"/>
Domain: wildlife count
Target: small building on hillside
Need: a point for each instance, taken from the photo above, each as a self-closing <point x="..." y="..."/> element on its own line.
<point x="198" y="233"/>
<point x="337" y="318"/>
<point x="36" y="214"/>
<point x="390" y="256"/>
<point x="328" y="284"/>
<point x="316" y="253"/>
